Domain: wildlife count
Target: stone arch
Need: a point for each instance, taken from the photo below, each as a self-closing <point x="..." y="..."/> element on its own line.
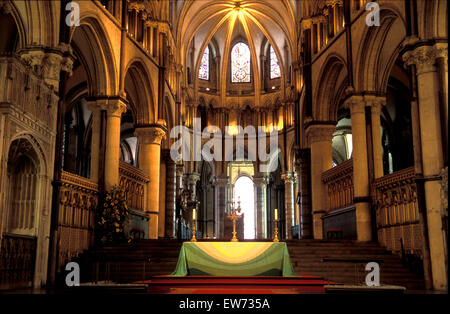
<point x="37" y="147"/>
<point x="332" y="78"/>
<point x="97" y="58"/>
<point x="378" y="51"/>
<point x="139" y="89"/>
<point x="13" y="20"/>
<point x="434" y="16"/>
<point x="25" y="196"/>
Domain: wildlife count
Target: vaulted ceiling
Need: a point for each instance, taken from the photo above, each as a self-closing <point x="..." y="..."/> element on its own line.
<point x="223" y="21"/>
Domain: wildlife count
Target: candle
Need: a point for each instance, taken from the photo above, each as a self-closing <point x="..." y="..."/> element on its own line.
<point x="276" y="214"/>
<point x="194" y="214"/>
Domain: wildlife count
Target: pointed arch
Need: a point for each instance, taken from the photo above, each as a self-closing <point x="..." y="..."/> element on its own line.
<point x="332" y="80"/>
<point x="139" y="91"/>
<point x="378" y="51"/>
<point x="96" y="56"/>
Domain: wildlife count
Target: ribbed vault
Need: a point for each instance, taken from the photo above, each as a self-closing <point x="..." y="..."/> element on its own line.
<point x="224" y="21"/>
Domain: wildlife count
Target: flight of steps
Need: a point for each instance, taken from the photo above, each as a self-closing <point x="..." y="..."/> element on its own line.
<point x="345" y="261"/>
<point x="145" y="258"/>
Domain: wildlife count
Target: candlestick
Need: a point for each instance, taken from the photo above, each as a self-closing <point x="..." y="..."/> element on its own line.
<point x="194" y="239"/>
<point x="275" y="238"/>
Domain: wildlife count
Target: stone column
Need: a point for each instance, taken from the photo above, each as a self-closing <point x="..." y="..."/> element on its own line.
<point x="95" y="140"/>
<point x="170" y="214"/>
<point x="179" y="186"/>
<point x="360" y="168"/>
<point x="260" y="182"/>
<point x="220" y="183"/>
<point x="375" y="104"/>
<point x="319" y="139"/>
<point x="302" y="166"/>
<point x="424" y="58"/>
<point x="114" y="109"/>
<point x="150" y="138"/>
<point x="289" y="179"/>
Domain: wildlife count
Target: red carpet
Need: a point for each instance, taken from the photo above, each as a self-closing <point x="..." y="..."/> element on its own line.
<point x="235" y="285"/>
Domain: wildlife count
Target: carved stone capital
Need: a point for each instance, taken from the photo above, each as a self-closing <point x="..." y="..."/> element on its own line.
<point x="289" y="177"/>
<point x="306" y="23"/>
<point x="355" y="103"/>
<point x="33" y="57"/>
<point x="114" y="106"/>
<point x="260" y="180"/>
<point x="151" y="134"/>
<point x="320" y="133"/>
<point x="49" y="62"/>
<point x="220" y="181"/>
<point x="424" y="57"/>
<point x="375" y="103"/>
<point x="180" y="169"/>
<point x="193" y="178"/>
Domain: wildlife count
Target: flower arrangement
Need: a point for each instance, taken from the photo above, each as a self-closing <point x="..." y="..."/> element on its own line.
<point x="112" y="218"/>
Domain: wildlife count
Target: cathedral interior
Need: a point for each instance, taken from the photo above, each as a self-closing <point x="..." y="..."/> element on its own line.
<point x="355" y="100"/>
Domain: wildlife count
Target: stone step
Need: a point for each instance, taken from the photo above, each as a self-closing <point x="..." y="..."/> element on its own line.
<point x="306" y="256"/>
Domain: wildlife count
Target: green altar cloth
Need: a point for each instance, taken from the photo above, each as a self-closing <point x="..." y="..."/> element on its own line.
<point x="234" y="259"/>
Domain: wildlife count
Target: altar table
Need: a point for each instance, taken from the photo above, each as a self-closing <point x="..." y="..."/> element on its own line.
<point x="234" y="259"/>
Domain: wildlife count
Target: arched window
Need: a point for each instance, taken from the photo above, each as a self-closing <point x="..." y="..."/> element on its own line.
<point x="240" y="63"/>
<point x="274" y="65"/>
<point x="203" y="72"/>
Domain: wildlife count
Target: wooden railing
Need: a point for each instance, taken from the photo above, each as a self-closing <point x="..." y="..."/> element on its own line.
<point x="76" y="222"/>
<point x="339" y="182"/>
<point x="133" y="180"/>
<point x="397" y="214"/>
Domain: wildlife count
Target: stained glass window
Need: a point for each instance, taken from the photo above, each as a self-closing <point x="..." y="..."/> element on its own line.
<point x="203" y="73"/>
<point x="240" y="63"/>
<point x="274" y="65"/>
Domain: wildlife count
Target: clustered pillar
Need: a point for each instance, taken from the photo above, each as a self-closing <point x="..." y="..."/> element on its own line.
<point x="220" y="183"/>
<point x="302" y="165"/>
<point x="289" y="179"/>
<point x="170" y="214"/>
<point x="260" y="182"/>
<point x="425" y="59"/>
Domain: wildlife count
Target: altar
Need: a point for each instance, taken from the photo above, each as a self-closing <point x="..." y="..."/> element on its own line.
<point x="234" y="259"/>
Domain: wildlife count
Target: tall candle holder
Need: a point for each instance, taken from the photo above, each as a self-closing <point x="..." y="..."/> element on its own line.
<point x="234" y="217"/>
<point x="194" y="222"/>
<point x="193" y="239"/>
<point x="275" y="239"/>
